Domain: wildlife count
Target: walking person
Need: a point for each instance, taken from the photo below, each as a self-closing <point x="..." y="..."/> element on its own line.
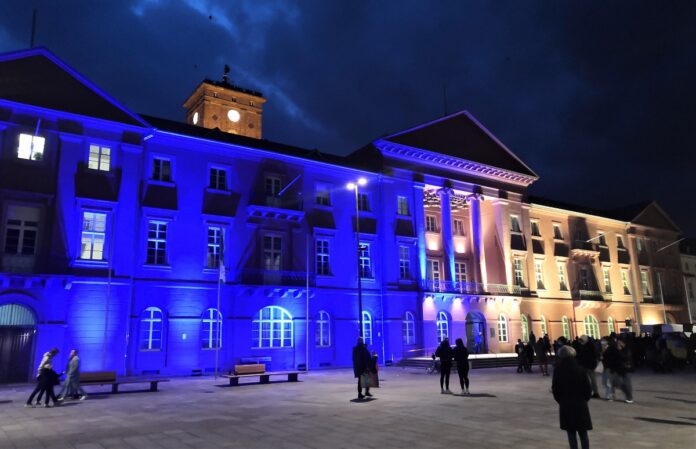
<point x="72" y="379"/>
<point x="361" y="366"/>
<point x="615" y="360"/>
<point x="572" y="390"/>
<point x="461" y="356"/>
<point x="46" y="360"/>
<point x="49" y="379"/>
<point x="587" y="358"/>
<point x="542" y="356"/>
<point x="444" y="352"/>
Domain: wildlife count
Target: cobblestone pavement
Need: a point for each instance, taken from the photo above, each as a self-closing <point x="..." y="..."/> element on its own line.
<point x="505" y="410"/>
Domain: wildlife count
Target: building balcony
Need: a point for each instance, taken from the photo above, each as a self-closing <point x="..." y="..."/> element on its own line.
<point x="275" y="277"/>
<point x="472" y="288"/>
<point x="590" y="295"/>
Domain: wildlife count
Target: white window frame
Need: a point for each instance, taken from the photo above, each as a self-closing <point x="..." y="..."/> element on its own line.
<point x="30" y="147"/>
<point x="620" y="244"/>
<point x="213" y="250"/>
<point x="22" y="227"/>
<point x="366" y="270"/>
<point x="431" y="224"/>
<point x="214" y="181"/>
<point x="502" y="328"/>
<point x="557" y="231"/>
<point x="367" y="327"/>
<point x="322" y="256"/>
<point x="565" y="325"/>
<point x="518" y="271"/>
<point x="273" y="331"/>
<point x="460" y="272"/>
<point x="160" y="244"/>
<point x="272" y="185"/>
<point x="606" y="278"/>
<point x="211" y="329"/>
<point x="408" y="329"/>
<point x="151" y="322"/>
<point x="442" y="326"/>
<point x="602" y="238"/>
<point x="458" y="227"/>
<point x="99" y="157"/>
<point x="272" y="256"/>
<point x="645" y="283"/>
<point x="591" y="326"/>
<point x="610" y="325"/>
<point x="322" y="194"/>
<point x="625" y="282"/>
<point x="434" y="275"/>
<point x="534" y="226"/>
<point x="562" y="278"/>
<point x="153" y="163"/>
<point x="539" y="274"/>
<point x="524" y="327"/>
<point x="515" y="224"/>
<point x="543" y="325"/>
<point x="402" y="207"/>
<point x="404" y="262"/>
<point x="93" y="234"/>
<point x="322" y="338"/>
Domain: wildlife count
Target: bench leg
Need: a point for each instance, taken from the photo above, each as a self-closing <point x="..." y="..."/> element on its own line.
<point x="234" y="381"/>
<point x="292" y="377"/>
<point x="114" y="388"/>
<point x="265" y="378"/>
<point x="153" y="386"/>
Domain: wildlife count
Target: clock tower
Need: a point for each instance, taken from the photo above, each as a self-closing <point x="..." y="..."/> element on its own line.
<point x="220" y="104"/>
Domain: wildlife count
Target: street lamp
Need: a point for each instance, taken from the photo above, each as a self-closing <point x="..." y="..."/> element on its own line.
<point x="355" y="186"/>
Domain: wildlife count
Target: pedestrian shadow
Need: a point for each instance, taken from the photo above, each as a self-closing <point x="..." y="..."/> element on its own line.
<point x="685" y="401"/>
<point x="477" y="395"/>
<point x="663" y="421"/>
<point x="362" y="401"/>
<point x="6" y="401"/>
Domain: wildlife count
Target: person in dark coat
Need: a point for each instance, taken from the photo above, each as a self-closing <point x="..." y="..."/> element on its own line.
<point x="519" y="350"/>
<point x="615" y="360"/>
<point x="528" y="357"/>
<point x="47" y="360"/>
<point x="444" y="352"/>
<point x="361" y="365"/>
<point x="542" y="356"/>
<point x="461" y="356"/>
<point x="572" y="390"/>
<point x="588" y="358"/>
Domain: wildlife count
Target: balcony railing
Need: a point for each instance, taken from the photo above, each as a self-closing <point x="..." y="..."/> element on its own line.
<point x="471" y="288"/>
<point x="591" y="295"/>
<point x="275" y="277"/>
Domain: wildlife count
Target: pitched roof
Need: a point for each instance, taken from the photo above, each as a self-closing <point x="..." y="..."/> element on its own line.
<point x="37" y="77"/>
<point x="460" y="135"/>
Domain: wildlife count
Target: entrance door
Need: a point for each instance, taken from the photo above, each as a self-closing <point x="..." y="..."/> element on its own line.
<point x="476" y="333"/>
<point x="17" y="328"/>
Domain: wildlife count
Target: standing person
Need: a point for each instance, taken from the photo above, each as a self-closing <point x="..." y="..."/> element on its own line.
<point x="49" y="379"/>
<point x="374" y="370"/>
<point x="542" y="356"/>
<point x="461" y="356"/>
<point x="528" y="357"/>
<point x="587" y="358"/>
<point x="519" y="349"/>
<point x="72" y="379"/>
<point x="571" y="389"/>
<point x="361" y="365"/>
<point x="444" y="352"/>
<point x="478" y="342"/>
<point x="46" y="360"/>
<point x="615" y="361"/>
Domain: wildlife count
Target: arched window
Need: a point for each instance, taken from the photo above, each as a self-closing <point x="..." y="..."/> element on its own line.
<point x="442" y="326"/>
<point x="502" y="329"/>
<point x="272" y="328"/>
<point x="408" y="329"/>
<point x="211" y="329"/>
<point x="566" y="327"/>
<point x="323" y="330"/>
<point x="544" y="327"/>
<point x="591" y="326"/>
<point x="610" y="325"/>
<point x="151" y="324"/>
<point x="525" y="327"/>
<point x="16" y="315"/>
<point x="367" y="327"/>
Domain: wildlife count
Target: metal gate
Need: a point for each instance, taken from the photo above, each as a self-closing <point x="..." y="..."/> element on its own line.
<point x="17" y="329"/>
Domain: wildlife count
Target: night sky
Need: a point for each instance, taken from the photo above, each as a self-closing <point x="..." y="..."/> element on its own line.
<point x="599" y="98"/>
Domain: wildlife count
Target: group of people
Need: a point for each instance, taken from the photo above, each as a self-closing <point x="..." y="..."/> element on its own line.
<point x="460" y="355"/>
<point x="47" y="378"/>
<point x="527" y="351"/>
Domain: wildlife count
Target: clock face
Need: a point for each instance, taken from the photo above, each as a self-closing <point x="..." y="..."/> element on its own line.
<point x="195" y="118"/>
<point x="233" y="115"/>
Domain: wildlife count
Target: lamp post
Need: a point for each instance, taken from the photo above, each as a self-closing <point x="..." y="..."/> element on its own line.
<point x="355" y="187"/>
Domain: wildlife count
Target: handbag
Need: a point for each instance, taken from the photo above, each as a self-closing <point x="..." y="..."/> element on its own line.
<point x="365" y="380"/>
<point x="374" y="380"/>
<point x="600" y="367"/>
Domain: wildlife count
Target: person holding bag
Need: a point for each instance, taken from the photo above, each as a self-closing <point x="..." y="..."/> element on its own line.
<point x="361" y="367"/>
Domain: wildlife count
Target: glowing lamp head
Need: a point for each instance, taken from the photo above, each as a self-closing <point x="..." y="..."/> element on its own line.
<point x="351" y="186"/>
<point x="233" y="115"/>
<point x="362" y="181"/>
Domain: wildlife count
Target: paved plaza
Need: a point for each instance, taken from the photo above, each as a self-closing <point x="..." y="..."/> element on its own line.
<point x="506" y="410"/>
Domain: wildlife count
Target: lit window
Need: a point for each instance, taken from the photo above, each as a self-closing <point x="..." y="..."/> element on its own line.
<point x="565" y="324"/>
<point x="365" y="261"/>
<point x="272" y="328"/>
<point x="363" y="202"/>
<point x="211" y="329"/>
<point x="161" y="169"/>
<point x="272" y="252"/>
<point x="31" y="147"/>
<point x="557" y="234"/>
<point x="21" y="231"/>
<point x="99" y="158"/>
<point x="460" y="272"/>
<point x="544" y="326"/>
<point x="539" y="274"/>
<point x="151" y="329"/>
<point x="218" y="178"/>
<point x="502" y="329"/>
<point x="519" y="271"/>
<point x="457" y="227"/>
<point x="610" y="325"/>
<point x="322" y="195"/>
<point x="402" y="206"/>
<point x="442" y="326"/>
<point x="591" y="327"/>
<point x="367" y="327"/>
<point x="322" y="257"/>
<point x="562" y="285"/>
<point x="515" y="224"/>
<point x="322" y="337"/>
<point x="535" y="229"/>
<point x="434" y="274"/>
<point x="607" y="279"/>
<point x="404" y="262"/>
<point x="214" y="248"/>
<point x="157" y="243"/>
<point x="272" y="186"/>
<point x="644" y="283"/>
<point x="93" y="235"/>
<point x="602" y="239"/>
<point x="408" y="329"/>
<point x="430" y="223"/>
<point x="525" y="327"/>
<point x="624" y="282"/>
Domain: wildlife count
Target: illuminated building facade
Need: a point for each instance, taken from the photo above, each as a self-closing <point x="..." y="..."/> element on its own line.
<point x="113" y="226"/>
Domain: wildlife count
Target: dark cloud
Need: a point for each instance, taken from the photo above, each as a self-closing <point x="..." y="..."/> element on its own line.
<point x="598" y="98"/>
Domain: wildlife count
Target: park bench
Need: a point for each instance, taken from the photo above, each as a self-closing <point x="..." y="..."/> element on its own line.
<point x="109" y="378"/>
<point x="258" y="370"/>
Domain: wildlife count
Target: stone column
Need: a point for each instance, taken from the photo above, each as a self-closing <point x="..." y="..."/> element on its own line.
<point x="447" y="242"/>
<point x="419" y="215"/>
<point x="474" y="201"/>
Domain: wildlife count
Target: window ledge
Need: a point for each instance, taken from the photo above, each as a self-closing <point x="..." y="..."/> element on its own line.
<point x="323" y="206"/>
<point x="155" y="182"/>
<point x="217" y="191"/>
<point x="325" y="276"/>
<point x="158" y="267"/>
<point x="90" y="263"/>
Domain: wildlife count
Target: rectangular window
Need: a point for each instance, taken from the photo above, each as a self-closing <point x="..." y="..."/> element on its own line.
<point x="214" y="247"/>
<point x="606" y="275"/>
<point x="584" y="279"/>
<point x="21" y="230"/>
<point x="218" y="178"/>
<point x="93" y="235"/>
<point x="639" y="244"/>
<point x="272" y="252"/>
<point x="31" y="147"/>
<point x="365" y="261"/>
<point x="402" y="206"/>
<point x="99" y="158"/>
<point x="515" y="224"/>
<point x="404" y="262"/>
<point x="460" y="272"/>
<point x="434" y="273"/>
<point x="619" y="242"/>
<point x="363" y="202"/>
<point x="157" y="243"/>
<point x="161" y="169"/>
<point x="644" y="283"/>
<point x="557" y="234"/>
<point x="272" y="186"/>
<point x="624" y="282"/>
<point x="322" y="195"/>
<point x="322" y="257"/>
<point x="430" y="223"/>
<point x="602" y="239"/>
<point x="562" y="285"/>
<point x="457" y="227"/>
<point x="519" y="271"/>
<point x="535" y="229"/>
<point x="539" y="274"/>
